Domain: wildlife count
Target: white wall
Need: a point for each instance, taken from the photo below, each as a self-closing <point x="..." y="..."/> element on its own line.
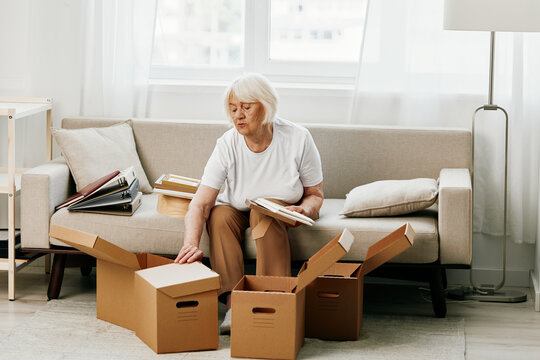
<point x="321" y="104"/>
<point x="40" y="57"/>
<point x="41" y="52"/>
<point x="45" y="60"/>
<point x="488" y="260"/>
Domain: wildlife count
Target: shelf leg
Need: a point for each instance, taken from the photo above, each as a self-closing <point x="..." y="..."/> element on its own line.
<point x="11" y="208"/>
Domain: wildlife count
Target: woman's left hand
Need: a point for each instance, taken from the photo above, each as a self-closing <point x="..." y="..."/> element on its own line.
<point x="298" y="209"/>
<point x="311" y="203"/>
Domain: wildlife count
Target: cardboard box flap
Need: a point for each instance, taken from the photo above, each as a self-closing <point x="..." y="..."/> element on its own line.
<point x="279" y="284"/>
<point x="387" y="248"/>
<point x="95" y="246"/>
<point x="341" y="270"/>
<point x="324" y="258"/>
<point x="177" y="280"/>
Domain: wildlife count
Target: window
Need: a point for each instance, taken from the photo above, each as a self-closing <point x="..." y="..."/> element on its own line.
<point x="194" y="32"/>
<point x="316" y="30"/>
<point x="287" y="40"/>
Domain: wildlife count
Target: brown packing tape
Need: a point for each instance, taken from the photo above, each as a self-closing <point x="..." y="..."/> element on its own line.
<point x="387" y="248"/>
<point x="261" y="228"/>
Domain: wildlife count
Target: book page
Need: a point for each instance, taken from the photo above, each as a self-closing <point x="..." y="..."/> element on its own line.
<point x="281" y="211"/>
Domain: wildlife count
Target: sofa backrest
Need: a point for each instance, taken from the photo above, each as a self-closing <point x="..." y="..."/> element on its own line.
<point x="352" y="155"/>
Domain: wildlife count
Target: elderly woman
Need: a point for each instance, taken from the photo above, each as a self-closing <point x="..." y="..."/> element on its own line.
<point x="262" y="156"/>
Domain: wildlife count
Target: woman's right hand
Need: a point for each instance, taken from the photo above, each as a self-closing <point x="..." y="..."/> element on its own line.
<point x="197" y="214"/>
<point x="188" y="254"/>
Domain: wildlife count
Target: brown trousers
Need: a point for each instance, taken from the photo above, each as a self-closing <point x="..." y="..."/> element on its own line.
<point x="226" y="226"/>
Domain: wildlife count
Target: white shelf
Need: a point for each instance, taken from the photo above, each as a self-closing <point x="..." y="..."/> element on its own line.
<point x="4" y="183"/>
<point x="12" y="108"/>
<point x="19" y="263"/>
<point x="4" y="234"/>
<point x="23" y="109"/>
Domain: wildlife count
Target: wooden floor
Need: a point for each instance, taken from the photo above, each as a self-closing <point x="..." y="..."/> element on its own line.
<point x="493" y="331"/>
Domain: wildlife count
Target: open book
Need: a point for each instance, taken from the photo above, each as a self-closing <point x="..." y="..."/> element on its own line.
<point x="279" y="212"/>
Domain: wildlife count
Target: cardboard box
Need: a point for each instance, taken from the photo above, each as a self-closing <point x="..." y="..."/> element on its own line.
<point x="172" y="206"/>
<point x="334" y="300"/>
<point x="178" y="307"/>
<point x="268" y="311"/>
<point x="121" y="302"/>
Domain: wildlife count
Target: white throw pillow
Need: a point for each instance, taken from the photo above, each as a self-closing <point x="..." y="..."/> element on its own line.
<point x="95" y="152"/>
<point x="390" y="197"/>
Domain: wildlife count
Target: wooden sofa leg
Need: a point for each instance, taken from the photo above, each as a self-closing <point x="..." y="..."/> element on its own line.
<point x="57" y="275"/>
<point x="436" y="286"/>
<point x="444" y="279"/>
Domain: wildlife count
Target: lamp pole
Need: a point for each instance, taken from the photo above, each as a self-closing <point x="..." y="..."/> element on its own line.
<point x="490" y="292"/>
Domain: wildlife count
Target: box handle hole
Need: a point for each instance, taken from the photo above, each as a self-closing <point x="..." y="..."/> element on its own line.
<point x="280" y="291"/>
<point x="262" y="310"/>
<point x="186" y="304"/>
<point x="324" y="294"/>
<point x="333" y="276"/>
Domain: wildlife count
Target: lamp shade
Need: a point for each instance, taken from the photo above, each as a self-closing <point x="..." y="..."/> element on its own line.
<point x="492" y="15"/>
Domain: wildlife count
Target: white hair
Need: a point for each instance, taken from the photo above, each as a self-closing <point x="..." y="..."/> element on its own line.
<point x="250" y="88"/>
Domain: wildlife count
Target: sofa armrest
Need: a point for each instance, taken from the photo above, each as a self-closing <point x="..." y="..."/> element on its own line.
<point x="455" y="216"/>
<point x="42" y="188"/>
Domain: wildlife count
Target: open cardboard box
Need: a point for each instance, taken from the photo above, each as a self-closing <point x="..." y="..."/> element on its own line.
<point x="172" y="206"/>
<point x="334" y="300"/>
<point x="268" y="311"/>
<point x="171" y="307"/>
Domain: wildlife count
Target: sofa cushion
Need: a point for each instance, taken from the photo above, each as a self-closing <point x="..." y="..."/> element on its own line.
<point x="149" y="231"/>
<point x="306" y="240"/>
<point x="390" y="197"/>
<point x="145" y="231"/>
<point x="94" y="152"/>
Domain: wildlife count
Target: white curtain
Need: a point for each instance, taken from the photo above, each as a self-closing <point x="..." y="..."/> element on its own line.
<point x="414" y="73"/>
<point x="117" y="57"/>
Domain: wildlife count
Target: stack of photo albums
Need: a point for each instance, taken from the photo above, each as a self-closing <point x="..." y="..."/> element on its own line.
<point x="115" y="194"/>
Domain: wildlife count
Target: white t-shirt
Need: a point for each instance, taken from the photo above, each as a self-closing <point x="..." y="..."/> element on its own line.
<point x="290" y="163"/>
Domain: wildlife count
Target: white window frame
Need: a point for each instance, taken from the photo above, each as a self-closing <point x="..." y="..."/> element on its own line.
<point x="257" y="16"/>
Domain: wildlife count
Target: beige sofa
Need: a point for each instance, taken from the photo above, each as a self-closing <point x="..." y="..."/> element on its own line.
<point x="351" y="156"/>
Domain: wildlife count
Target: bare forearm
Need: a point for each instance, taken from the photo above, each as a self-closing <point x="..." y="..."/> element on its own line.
<point x="198" y="212"/>
<point x="193" y="225"/>
<point x="311" y="205"/>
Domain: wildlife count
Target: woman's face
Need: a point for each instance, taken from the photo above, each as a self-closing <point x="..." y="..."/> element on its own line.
<point x="247" y="117"/>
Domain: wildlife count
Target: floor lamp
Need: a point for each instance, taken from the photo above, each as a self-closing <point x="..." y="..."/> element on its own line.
<point x="493" y="16"/>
